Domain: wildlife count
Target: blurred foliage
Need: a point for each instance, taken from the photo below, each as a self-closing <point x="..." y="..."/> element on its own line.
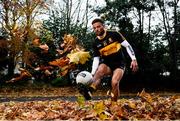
<point x="153" y="46"/>
<point x="18" y="20"/>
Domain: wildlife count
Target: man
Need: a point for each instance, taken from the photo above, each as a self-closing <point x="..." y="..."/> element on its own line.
<point x="108" y="59"/>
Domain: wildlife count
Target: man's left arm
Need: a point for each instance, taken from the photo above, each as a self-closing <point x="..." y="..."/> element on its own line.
<point x="130" y="51"/>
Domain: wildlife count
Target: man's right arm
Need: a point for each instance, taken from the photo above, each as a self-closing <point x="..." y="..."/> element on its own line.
<point x="130" y="51"/>
<point x="95" y="65"/>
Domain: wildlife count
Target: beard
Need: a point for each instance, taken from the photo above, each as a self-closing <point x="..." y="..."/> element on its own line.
<point x="100" y="33"/>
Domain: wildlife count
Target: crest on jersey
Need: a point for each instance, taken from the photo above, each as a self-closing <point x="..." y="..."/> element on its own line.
<point x="110" y="40"/>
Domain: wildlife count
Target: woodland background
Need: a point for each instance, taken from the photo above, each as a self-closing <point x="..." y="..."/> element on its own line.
<point x="152" y="27"/>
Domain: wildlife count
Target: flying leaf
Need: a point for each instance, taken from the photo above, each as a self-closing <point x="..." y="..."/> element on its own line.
<point x="79" y="57"/>
<point x="60" y="62"/>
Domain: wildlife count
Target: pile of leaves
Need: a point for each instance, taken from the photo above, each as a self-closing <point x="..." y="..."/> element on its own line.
<point x="144" y="107"/>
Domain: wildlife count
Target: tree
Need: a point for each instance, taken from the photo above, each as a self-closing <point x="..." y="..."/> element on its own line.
<point x="18" y="18"/>
<point x="69" y="17"/>
<point x="135" y="19"/>
<point x="119" y="14"/>
<point x="170" y="31"/>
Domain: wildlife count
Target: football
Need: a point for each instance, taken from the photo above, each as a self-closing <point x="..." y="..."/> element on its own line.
<point x="84" y="77"/>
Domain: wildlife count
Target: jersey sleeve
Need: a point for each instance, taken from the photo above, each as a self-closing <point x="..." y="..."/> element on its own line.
<point x="95" y="52"/>
<point x="119" y="37"/>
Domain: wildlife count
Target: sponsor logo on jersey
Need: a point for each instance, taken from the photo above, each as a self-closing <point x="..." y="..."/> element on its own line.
<point x="110" y="49"/>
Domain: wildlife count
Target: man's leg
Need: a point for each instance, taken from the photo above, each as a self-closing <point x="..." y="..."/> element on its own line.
<point x="100" y="73"/>
<point x="117" y="76"/>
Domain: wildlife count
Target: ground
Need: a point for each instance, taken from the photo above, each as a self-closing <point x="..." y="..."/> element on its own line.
<point x="49" y="91"/>
<point x="65" y="103"/>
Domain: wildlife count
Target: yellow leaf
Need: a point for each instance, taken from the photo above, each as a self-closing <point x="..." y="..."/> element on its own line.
<point x="81" y="101"/>
<point x="79" y="57"/>
<point x="73" y="58"/>
<point x="132" y="105"/>
<point x="103" y="116"/>
<point x="99" y="107"/>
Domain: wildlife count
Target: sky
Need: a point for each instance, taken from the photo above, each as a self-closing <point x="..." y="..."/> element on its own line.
<point x="100" y="3"/>
<point x="94" y="3"/>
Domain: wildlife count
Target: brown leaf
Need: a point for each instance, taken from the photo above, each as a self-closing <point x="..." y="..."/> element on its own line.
<point x="146" y="96"/>
<point x="60" y="62"/>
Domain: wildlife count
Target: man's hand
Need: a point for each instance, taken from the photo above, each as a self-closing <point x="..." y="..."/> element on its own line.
<point x="134" y="65"/>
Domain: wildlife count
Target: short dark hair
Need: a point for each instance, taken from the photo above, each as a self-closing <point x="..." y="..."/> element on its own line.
<point x="97" y="20"/>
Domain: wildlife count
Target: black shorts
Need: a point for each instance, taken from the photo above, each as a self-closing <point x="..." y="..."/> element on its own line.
<point x="114" y="65"/>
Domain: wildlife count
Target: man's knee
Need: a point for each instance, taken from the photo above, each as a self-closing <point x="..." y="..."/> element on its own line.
<point x="103" y="68"/>
<point x="100" y="70"/>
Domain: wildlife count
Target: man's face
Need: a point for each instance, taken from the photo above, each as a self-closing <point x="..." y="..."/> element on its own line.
<point x="98" y="28"/>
